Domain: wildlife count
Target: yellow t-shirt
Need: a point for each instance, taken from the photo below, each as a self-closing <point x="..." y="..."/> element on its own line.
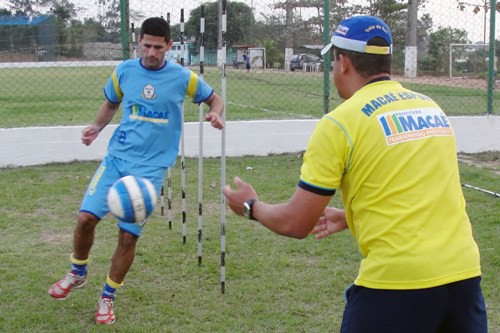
<point x="392" y="154"/>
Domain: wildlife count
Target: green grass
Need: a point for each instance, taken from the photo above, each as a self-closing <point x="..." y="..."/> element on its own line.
<point x="273" y="284"/>
<point x="72" y="95"/>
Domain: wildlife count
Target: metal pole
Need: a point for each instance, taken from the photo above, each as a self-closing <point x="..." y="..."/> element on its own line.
<point x="162" y="201"/>
<point x="200" y="142"/>
<point x="169" y="180"/>
<point x="183" y="162"/>
<point x="124" y="12"/>
<point x="135" y="53"/>
<point x="223" y="153"/>
<point x="169" y="198"/>
<point x="495" y="194"/>
<point x="485" y="9"/>
<point x="326" y="58"/>
<point x="491" y="57"/>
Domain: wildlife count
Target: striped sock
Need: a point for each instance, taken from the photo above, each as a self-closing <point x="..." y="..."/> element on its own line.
<point x="80" y="270"/>
<point x="79" y="267"/>
<point x="110" y="288"/>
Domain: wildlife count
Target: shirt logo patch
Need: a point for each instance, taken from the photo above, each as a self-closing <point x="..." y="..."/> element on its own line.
<point x="143" y="114"/>
<point x="414" y="124"/>
<point x="149" y="92"/>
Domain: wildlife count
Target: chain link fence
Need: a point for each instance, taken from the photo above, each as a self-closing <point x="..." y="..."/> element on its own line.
<point x="56" y="55"/>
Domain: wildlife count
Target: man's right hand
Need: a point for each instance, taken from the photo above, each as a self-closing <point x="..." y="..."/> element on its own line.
<point x="89" y="134"/>
<point x="331" y="222"/>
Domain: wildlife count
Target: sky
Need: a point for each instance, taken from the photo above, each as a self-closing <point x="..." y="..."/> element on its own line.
<point x="444" y="12"/>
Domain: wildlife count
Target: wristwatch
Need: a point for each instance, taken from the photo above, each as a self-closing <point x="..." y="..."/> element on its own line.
<point x="247" y="209"/>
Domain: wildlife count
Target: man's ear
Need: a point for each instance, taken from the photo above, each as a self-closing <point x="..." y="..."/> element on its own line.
<point x="345" y="63"/>
<point x="169" y="44"/>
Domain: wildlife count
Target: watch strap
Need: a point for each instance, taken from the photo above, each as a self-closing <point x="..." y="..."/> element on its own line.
<point x="250" y="203"/>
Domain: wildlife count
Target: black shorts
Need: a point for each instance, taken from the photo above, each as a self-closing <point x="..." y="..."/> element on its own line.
<point x="455" y="308"/>
<point x="247" y="65"/>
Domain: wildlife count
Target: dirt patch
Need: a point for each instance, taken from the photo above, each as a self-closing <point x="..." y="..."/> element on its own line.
<point x="486" y="160"/>
<point x="445" y="81"/>
<point x="55" y="238"/>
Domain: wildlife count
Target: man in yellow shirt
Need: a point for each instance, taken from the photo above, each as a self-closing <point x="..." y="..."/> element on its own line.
<point x="392" y="154"/>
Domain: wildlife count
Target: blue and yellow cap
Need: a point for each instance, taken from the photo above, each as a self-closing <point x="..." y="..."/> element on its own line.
<point x="354" y="33"/>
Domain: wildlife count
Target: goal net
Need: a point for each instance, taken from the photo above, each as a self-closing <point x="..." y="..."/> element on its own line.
<point x="468" y="60"/>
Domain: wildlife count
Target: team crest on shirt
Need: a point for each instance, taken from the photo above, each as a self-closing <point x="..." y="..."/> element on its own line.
<point x="149" y="92"/>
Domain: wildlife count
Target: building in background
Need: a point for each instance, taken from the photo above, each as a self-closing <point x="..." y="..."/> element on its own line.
<point x="28" y="38"/>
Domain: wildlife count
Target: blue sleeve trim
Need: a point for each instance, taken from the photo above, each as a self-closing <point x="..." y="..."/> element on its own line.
<point x="211" y="93"/>
<point x="317" y="190"/>
<point x="109" y="100"/>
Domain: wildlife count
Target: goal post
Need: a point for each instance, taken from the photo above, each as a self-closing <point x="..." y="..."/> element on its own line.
<point x="468" y="60"/>
<point x="257" y="57"/>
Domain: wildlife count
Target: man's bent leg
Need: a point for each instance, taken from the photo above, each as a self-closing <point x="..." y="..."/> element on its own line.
<point x="122" y="261"/>
<point x="123" y="257"/>
<point x="83" y="238"/>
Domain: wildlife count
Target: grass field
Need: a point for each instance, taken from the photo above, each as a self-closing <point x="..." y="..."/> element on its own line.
<point x="72" y="95"/>
<point x="273" y="284"/>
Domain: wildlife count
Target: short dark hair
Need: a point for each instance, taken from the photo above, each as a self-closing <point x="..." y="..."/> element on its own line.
<point x="156" y="26"/>
<point x="368" y="64"/>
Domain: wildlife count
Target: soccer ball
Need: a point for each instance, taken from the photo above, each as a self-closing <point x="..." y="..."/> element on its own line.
<point x="132" y="199"/>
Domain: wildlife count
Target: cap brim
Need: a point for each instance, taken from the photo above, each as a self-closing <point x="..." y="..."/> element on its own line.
<point x="326" y="49"/>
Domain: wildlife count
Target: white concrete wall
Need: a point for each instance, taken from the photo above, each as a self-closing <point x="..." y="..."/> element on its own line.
<point x="42" y="145"/>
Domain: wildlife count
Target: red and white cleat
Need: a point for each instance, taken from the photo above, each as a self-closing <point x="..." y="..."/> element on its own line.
<point x="105" y="314"/>
<point x="61" y="289"/>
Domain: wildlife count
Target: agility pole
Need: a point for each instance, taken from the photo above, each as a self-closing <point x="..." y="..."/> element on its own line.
<point x="200" y="142"/>
<point x="223" y="154"/>
<point x="169" y="181"/>
<point x="183" y="160"/>
<point x="495" y="194"/>
<point x="134" y="46"/>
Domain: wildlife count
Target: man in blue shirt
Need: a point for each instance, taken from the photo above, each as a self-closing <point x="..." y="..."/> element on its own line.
<point x="246" y="59"/>
<point x="151" y="92"/>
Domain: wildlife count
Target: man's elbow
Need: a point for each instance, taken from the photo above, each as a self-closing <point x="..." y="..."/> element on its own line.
<point x="293" y="231"/>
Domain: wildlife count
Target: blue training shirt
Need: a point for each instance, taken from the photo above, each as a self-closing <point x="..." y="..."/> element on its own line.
<point x="150" y="127"/>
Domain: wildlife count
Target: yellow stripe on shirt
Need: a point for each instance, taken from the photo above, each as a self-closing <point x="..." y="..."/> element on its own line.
<point x="193" y="83"/>
<point x="119" y="92"/>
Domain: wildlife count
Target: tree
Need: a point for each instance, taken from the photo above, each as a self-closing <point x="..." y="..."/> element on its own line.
<point x="239" y="20"/>
<point x="23" y="7"/>
<point x="79" y="33"/>
<point x="273" y="55"/>
<point x="439" y="47"/>
<point x="288" y="31"/>
<point x="109" y="17"/>
<point x="63" y="11"/>
<point x="424" y="26"/>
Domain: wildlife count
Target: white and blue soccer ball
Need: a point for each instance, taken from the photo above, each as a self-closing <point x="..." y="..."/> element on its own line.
<point x="132" y="199"/>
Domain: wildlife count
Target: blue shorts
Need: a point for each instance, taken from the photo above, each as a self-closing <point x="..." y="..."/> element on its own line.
<point x="111" y="169"/>
<point x="455" y="308"/>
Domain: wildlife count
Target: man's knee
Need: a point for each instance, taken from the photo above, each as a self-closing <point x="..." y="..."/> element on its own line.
<point x="127" y="239"/>
<point x="86" y="221"/>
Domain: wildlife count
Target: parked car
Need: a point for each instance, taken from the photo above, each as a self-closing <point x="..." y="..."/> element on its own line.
<point x="298" y="61"/>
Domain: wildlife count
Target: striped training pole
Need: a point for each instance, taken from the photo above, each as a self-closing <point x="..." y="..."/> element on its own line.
<point x="169" y="180"/>
<point x="223" y="155"/>
<point x="162" y="201"/>
<point x="200" y="144"/>
<point x="134" y="46"/>
<point x="183" y="162"/>
<point x="169" y="198"/>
